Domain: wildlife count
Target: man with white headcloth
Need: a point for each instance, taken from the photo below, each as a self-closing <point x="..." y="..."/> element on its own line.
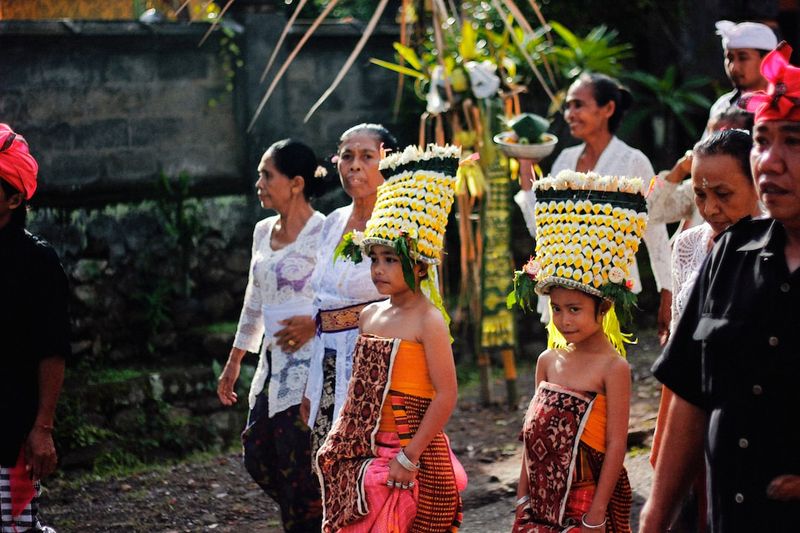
<point x="744" y="44"/>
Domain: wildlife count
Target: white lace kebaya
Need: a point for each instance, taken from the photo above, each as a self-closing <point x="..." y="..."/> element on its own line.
<point x="278" y="278"/>
<point x="690" y="250"/>
<point x="336" y="285"/>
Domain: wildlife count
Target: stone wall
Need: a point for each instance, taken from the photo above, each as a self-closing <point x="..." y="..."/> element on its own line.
<point x="108" y="106"/>
<point x="144" y="289"/>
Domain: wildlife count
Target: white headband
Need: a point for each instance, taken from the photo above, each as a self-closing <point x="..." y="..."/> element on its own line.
<point x="746" y="35"/>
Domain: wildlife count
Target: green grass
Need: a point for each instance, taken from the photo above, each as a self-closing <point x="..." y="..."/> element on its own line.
<point x="116" y="467"/>
<point x="218" y="327"/>
<point x="115" y="375"/>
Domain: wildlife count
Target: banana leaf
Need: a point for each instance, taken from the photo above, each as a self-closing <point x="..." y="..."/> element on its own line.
<point x="399" y="68"/>
<point x="408" y="53"/>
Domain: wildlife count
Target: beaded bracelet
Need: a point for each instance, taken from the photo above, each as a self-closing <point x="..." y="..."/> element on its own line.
<point x="405" y="462"/>
<point x="587" y="525"/>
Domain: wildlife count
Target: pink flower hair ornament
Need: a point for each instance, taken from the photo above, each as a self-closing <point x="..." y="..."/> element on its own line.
<point x="781" y="100"/>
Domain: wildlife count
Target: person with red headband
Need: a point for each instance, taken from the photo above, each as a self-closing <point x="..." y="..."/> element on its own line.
<point x="734" y="357"/>
<point x="34" y="342"/>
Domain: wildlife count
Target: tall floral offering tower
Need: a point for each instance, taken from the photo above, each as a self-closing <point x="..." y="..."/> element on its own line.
<point x="411" y="209"/>
<point x="588" y="229"/>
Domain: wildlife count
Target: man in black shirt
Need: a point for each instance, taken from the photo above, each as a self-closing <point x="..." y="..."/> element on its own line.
<point x="734" y="361"/>
<point x="34" y="342"/>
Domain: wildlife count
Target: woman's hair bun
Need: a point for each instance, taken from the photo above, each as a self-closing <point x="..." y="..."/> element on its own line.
<point x="295" y="158"/>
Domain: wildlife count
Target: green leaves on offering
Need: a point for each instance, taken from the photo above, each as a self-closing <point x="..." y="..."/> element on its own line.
<point x="624" y="300"/>
<point x="348" y="249"/>
<point x="523" y="293"/>
<point x="401" y="246"/>
<point x="528" y="126"/>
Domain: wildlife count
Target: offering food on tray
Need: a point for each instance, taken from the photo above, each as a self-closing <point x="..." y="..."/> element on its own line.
<point x="527" y="137"/>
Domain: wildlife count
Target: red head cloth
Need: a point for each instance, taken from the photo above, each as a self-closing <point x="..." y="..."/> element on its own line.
<point x="17" y="165"/>
<point x="781" y="100"/>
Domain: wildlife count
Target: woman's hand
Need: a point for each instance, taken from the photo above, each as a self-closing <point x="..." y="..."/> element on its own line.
<point x="681" y="170"/>
<point x="297" y="331"/>
<point x="227" y="380"/>
<point x="400" y="475"/>
<point x="784" y="488"/>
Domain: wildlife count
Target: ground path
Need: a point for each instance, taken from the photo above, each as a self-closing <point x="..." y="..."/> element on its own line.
<point x="216" y="494"/>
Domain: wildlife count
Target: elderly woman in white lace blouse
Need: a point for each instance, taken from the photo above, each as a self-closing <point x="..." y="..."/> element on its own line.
<point x="724" y="193"/>
<point x="672" y="196"/>
<point x="342" y="288"/>
<point x="276" y="442"/>
<point x="595" y="105"/>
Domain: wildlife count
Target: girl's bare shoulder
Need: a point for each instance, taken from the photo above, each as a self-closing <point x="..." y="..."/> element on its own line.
<point x="617" y="366"/>
<point x="371" y="311"/>
<point x="430" y="320"/>
<point x="548" y="356"/>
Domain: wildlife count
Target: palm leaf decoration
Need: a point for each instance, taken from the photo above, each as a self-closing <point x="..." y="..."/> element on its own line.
<point x="325" y="12"/>
<point x="351" y="59"/>
<point x="282" y="38"/>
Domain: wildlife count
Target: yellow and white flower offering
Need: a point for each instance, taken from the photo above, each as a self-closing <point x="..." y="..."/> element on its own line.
<point x="588" y="229"/>
<point x="412" y="206"/>
<point x="415" y="200"/>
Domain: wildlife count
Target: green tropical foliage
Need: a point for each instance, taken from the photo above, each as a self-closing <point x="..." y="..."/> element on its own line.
<point x="596" y="52"/>
<point x="668" y="98"/>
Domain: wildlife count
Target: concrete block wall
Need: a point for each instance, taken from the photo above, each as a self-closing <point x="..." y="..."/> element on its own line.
<point x="107" y="106"/>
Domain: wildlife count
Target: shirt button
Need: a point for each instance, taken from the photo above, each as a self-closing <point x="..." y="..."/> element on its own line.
<point x="739" y="498"/>
<point x="743" y="443"/>
<point x="757" y="390"/>
<point x="773" y="341"/>
<point x="785" y="287"/>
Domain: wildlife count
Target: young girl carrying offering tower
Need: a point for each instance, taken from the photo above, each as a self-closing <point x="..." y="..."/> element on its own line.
<point x="386" y="465"/>
<point x="575" y="431"/>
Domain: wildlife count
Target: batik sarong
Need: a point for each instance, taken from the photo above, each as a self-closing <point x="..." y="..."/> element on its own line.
<point x="324" y="419"/>
<point x="277" y="456"/>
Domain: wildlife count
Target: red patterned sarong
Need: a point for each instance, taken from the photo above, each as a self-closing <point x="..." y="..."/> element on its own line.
<point x="561" y="469"/>
<point x="353" y="461"/>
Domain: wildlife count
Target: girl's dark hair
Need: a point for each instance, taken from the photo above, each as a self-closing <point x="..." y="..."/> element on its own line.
<point x="733" y="143"/>
<point x="20" y="214"/>
<point x="381" y="134"/>
<point x="294" y="158"/>
<point x="606" y="89"/>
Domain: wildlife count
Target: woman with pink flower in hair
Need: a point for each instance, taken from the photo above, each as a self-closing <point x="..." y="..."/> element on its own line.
<point x="276" y="443"/>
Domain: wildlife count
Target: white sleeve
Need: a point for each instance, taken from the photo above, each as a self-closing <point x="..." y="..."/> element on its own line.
<point x="251" y="324"/>
<point x="677" y="282"/>
<point x="669" y="202"/>
<point x="526" y="200"/>
<point x="655" y="235"/>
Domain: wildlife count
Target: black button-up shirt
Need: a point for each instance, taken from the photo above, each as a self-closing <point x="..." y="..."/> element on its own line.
<point x="736" y="354"/>
<point x="33" y="325"/>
